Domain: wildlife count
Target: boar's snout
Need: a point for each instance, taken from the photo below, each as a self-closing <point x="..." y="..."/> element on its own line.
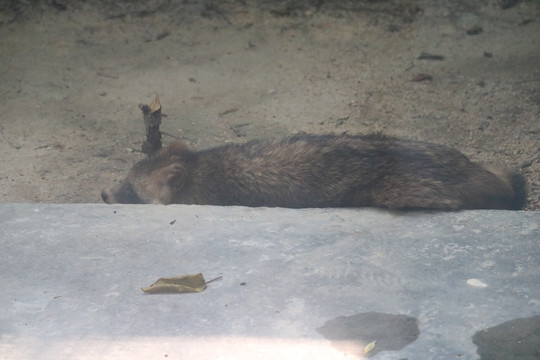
<point x="106" y="196"/>
<point x="121" y="193"/>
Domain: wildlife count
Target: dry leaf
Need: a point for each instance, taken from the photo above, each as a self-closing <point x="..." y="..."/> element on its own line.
<point x="422" y="77"/>
<point x="369" y="347"/>
<point x="177" y="284"/>
<point x="155" y="105"/>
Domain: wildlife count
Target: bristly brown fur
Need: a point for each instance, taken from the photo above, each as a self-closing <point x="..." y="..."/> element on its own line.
<point x="321" y="171"/>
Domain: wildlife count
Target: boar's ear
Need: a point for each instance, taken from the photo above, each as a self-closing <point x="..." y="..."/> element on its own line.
<point x="165" y="183"/>
<point x="172" y="175"/>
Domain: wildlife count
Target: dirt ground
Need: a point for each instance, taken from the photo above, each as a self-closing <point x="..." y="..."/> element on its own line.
<point x="461" y="73"/>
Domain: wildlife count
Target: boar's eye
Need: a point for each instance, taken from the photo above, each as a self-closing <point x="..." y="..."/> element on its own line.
<point x="126" y="195"/>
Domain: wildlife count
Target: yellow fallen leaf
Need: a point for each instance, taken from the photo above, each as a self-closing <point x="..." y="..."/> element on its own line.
<point x="369" y="346"/>
<point x="155" y="105"/>
<point x="177" y="284"/>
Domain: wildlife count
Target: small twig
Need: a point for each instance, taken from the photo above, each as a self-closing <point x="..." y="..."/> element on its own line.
<point x="525" y="81"/>
<point x="216" y="279"/>
<point x="428" y="56"/>
<point x="171" y="135"/>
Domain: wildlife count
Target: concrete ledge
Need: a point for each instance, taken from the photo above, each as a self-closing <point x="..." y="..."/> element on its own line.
<point x="297" y="284"/>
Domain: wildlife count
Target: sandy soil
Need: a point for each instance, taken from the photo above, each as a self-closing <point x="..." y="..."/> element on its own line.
<point x="73" y="73"/>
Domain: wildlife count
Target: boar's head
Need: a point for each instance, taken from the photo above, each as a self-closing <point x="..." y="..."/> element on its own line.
<point x="154" y="180"/>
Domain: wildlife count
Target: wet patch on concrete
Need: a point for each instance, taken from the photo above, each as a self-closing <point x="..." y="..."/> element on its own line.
<point x="511" y="340"/>
<point x="351" y="334"/>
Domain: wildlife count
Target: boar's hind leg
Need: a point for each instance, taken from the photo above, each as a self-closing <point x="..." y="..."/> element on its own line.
<point x="480" y="189"/>
<point x="429" y="196"/>
<point x="496" y="190"/>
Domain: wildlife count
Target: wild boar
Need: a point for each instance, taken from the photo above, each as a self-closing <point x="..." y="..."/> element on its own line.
<point x="305" y="171"/>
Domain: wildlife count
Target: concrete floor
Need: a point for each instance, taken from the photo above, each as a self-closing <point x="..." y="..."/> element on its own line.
<point x="297" y="284"/>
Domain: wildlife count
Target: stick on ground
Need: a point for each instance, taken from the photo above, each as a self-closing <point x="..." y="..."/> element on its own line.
<point x="152" y="120"/>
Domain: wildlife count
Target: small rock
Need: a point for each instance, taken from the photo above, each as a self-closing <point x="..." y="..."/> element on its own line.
<point x="476" y="283"/>
<point x="475" y="30"/>
<point x="422" y="77"/>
